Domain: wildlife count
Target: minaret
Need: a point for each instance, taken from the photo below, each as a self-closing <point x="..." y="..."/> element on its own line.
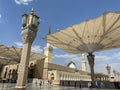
<point x="48" y="53"/>
<point x="83" y="62"/>
<point x="29" y="30"/>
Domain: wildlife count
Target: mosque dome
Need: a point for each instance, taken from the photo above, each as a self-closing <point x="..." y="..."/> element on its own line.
<point x="71" y="64"/>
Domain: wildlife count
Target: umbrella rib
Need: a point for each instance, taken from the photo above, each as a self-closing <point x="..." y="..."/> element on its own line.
<point x="4" y="49"/>
<point x="112" y="25"/>
<point x="104" y="23"/>
<point x="57" y="39"/>
<point x="105" y="33"/>
<point x="84" y="29"/>
<point x="66" y="45"/>
<point x="62" y="42"/>
<point x="52" y="40"/>
<point x="96" y="31"/>
<point x="70" y="37"/>
<point x="113" y="29"/>
<point x="74" y="31"/>
<point x="110" y="43"/>
<point x="16" y="52"/>
<point x="75" y="37"/>
<point x="67" y="34"/>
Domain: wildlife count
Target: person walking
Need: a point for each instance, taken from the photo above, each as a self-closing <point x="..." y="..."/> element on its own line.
<point x="89" y="85"/>
<point x="80" y="84"/>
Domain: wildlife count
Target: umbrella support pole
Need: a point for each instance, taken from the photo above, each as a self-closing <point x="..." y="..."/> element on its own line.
<point x="90" y="58"/>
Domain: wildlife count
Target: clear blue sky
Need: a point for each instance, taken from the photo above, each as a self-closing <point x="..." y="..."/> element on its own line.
<point x="58" y="14"/>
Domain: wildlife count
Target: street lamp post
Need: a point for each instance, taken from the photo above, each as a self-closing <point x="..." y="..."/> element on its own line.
<point x="29" y="30"/>
<point x="108" y="71"/>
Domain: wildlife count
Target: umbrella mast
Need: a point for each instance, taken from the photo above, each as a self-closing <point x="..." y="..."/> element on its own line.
<point x="91" y="59"/>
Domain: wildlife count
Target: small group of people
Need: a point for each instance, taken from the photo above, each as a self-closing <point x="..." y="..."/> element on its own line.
<point x="42" y="83"/>
<point x="116" y="85"/>
<point x="50" y="82"/>
<point x="97" y="84"/>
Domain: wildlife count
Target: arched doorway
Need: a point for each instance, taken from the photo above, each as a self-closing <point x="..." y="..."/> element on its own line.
<point x="52" y="76"/>
<point x="31" y="70"/>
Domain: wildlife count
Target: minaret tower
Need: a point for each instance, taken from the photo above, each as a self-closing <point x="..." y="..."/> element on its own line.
<point x="48" y="51"/>
<point x="83" y="62"/>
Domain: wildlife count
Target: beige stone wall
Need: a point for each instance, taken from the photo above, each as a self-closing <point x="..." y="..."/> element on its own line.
<point x="7" y="68"/>
<point x="67" y="76"/>
<point x="52" y="66"/>
<point x="37" y="72"/>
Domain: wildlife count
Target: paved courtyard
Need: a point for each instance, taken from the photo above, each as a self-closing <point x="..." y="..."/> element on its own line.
<point x="9" y="86"/>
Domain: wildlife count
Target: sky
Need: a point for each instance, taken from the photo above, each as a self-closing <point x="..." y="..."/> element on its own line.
<point x="57" y="14"/>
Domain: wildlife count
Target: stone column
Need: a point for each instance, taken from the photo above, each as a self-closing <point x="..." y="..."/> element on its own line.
<point x="91" y="64"/>
<point x="29" y="29"/>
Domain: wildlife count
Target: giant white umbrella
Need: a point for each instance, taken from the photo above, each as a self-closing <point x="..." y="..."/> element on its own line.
<point x="92" y="35"/>
<point x="12" y="55"/>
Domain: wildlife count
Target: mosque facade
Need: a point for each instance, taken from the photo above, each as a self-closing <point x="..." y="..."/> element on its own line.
<point x="46" y="70"/>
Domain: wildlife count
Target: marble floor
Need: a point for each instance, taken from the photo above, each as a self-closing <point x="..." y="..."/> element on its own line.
<point x="10" y="86"/>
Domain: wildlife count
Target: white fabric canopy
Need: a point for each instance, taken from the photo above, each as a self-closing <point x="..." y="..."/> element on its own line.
<point x="89" y="36"/>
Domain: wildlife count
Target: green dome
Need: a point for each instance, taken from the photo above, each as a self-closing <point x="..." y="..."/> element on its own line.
<point x="71" y="64"/>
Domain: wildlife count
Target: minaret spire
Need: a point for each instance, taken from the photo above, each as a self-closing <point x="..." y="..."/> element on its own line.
<point x="49" y="30"/>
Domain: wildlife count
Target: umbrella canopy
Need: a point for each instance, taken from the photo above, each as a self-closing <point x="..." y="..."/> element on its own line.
<point x="89" y="36"/>
<point x="12" y="55"/>
<point x="97" y="34"/>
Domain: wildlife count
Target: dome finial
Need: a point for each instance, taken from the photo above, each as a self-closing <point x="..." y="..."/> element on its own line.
<point x="32" y="11"/>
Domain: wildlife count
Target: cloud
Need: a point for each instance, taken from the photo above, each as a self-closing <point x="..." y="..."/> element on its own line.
<point x="54" y="47"/>
<point x="24" y="2"/>
<point x="67" y="56"/>
<point x="100" y="68"/>
<point x="102" y="58"/>
<point x="35" y="48"/>
<point x="0" y="18"/>
<point x="101" y="62"/>
<point x="19" y="44"/>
